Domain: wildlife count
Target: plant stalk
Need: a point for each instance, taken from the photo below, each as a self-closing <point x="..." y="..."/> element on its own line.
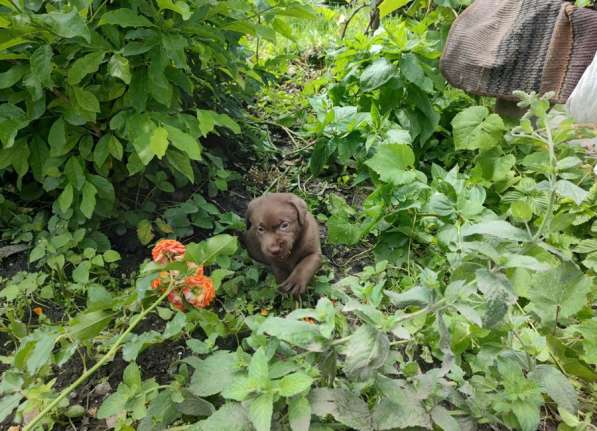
<point x="99" y="363"/>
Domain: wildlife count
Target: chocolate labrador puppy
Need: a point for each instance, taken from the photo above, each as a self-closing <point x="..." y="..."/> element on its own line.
<point x="283" y="234"/>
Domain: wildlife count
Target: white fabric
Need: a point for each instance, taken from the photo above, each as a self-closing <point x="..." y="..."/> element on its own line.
<point x="582" y="103"/>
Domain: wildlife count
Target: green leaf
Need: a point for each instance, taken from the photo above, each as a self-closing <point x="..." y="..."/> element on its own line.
<point x="498" y="228"/>
<point x="377" y="74"/>
<point x="86" y="99"/>
<point x="67" y="25"/>
<point x="299" y="414"/>
<point x="206" y="120"/>
<point x="571" y="191"/>
<point x="586" y="246"/>
<point x="42" y="352"/>
<point x="557" y="386"/>
<point x="8" y="403"/>
<point x="145" y="231"/>
<point x="561" y="292"/>
<point x="101" y="150"/>
<point x="81" y="272"/>
<point x="85" y="65"/>
<point x="99" y="298"/>
<point x="498" y="292"/>
<point x="206" y="252"/>
<point x="124" y="17"/>
<point x="260" y="412"/>
<point x="475" y="128"/>
<point x="295" y="332"/>
<point x="118" y="67"/>
<point x="132" y="376"/>
<point x="74" y="172"/>
<point x="41" y="64"/>
<point x="418" y="295"/>
<point x="527" y="414"/>
<point x="400" y="407"/>
<point x="391" y="161"/>
<point x="112" y="405"/>
<point x="240" y="388"/>
<point x="366" y="351"/>
<point x="389" y="6"/>
<point x="442" y="418"/>
<point x="180" y="7"/>
<point x="184" y="142"/>
<point x="293" y="384"/>
<point x="57" y="138"/>
<point x="12" y="76"/>
<point x="88" y="201"/>
<point x="231" y="416"/>
<point x="182" y="163"/>
<point x="214" y="374"/>
<point x="345" y="406"/>
<point x="111" y="256"/>
<point x="66" y="198"/>
<point x="258" y="368"/>
<point x="411" y="69"/>
<point x="521" y="211"/>
<point x="159" y="142"/>
<point x="88" y="325"/>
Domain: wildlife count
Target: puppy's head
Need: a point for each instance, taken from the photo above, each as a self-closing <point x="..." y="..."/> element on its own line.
<point x="277" y="220"/>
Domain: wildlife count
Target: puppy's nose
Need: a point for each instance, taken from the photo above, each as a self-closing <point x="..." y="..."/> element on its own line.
<point x="275" y="250"/>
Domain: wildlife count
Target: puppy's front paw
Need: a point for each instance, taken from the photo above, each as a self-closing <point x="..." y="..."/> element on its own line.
<point x="294" y="284"/>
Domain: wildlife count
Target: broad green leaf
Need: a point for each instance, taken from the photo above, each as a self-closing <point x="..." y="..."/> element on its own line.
<point x="399" y="408"/>
<point x="389" y="6"/>
<point x="206" y="252"/>
<point x="240" y="388"/>
<point x="111" y="256"/>
<point x="418" y="295"/>
<point x="475" y="128"/>
<point x="498" y="293"/>
<point x="42" y="352"/>
<point x="8" y="403"/>
<point x="112" y="405"/>
<point x="588" y="330"/>
<point x="179" y="6"/>
<point x="510" y="260"/>
<point x="559" y="293"/>
<point x="571" y="191"/>
<point x="231" y="416"/>
<point x="443" y="419"/>
<point x="88" y="200"/>
<point x="391" y="161"/>
<point x="101" y="150"/>
<point x="145" y="231"/>
<point x="377" y="74"/>
<point x="184" y="142"/>
<point x="193" y="406"/>
<point x="411" y="69"/>
<point x="81" y="272"/>
<point x="66" y="198"/>
<point x="12" y="76"/>
<point x="527" y="414"/>
<point x="498" y="228"/>
<point x="182" y="163"/>
<point x="98" y="298"/>
<point x="85" y="65"/>
<point x="260" y="412"/>
<point x="124" y="17"/>
<point x="159" y="142"/>
<point x="299" y="414"/>
<point x="366" y="351"/>
<point x="295" y="383"/>
<point x="215" y="373"/>
<point x="258" y="368"/>
<point x="521" y="211"/>
<point x="74" y="172"/>
<point x="88" y="324"/>
<point x="295" y="332"/>
<point x="132" y="376"/>
<point x="344" y="406"/>
<point x="57" y="138"/>
<point x="118" y="67"/>
<point x="556" y="385"/>
<point x="41" y="64"/>
<point x="206" y="120"/>
<point x="586" y="246"/>
<point x="67" y="25"/>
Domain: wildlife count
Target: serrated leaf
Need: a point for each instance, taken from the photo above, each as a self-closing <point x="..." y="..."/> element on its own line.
<point x="215" y="373"/>
<point x="299" y="414"/>
<point x="345" y="406"/>
<point x="376" y="74"/>
<point x="366" y="351"/>
<point x="556" y="385"/>
<point x="231" y="416"/>
<point x="498" y="228"/>
<point x="475" y="128"/>
<point x="571" y="191"/>
<point x="391" y="162"/>
<point x="258" y="368"/>
<point x="260" y="412"/>
<point x="206" y="252"/>
<point x="295" y="383"/>
<point x="8" y="403"/>
<point x="184" y="142"/>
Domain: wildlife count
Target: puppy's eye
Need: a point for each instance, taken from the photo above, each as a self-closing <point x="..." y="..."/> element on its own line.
<point x="284" y="226"/>
<point x="260" y="229"/>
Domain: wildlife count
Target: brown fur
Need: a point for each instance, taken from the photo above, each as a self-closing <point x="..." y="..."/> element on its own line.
<point x="283" y="234"/>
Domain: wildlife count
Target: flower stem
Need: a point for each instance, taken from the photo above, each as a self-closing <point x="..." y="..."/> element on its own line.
<point x="99" y="363"/>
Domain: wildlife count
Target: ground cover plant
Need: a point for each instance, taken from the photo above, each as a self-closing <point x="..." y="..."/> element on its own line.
<point x="460" y="247"/>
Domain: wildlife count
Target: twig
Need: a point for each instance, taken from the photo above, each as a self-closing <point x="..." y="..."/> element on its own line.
<point x="350" y="19"/>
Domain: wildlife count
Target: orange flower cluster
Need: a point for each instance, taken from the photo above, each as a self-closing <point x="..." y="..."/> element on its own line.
<point x="198" y="289"/>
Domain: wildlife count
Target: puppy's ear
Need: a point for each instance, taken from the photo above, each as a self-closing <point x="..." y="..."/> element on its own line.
<point x="249" y="213"/>
<point x="300" y="206"/>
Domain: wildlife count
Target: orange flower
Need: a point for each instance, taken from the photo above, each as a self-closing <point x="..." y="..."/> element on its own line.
<point x="199" y="290"/>
<point x="198" y="269"/>
<point x="155" y="283"/>
<point x="176" y="300"/>
<point x="38" y="310"/>
<point x="167" y="250"/>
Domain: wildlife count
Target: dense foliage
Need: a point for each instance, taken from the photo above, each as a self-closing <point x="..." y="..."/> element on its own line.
<point x="461" y="247"/>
